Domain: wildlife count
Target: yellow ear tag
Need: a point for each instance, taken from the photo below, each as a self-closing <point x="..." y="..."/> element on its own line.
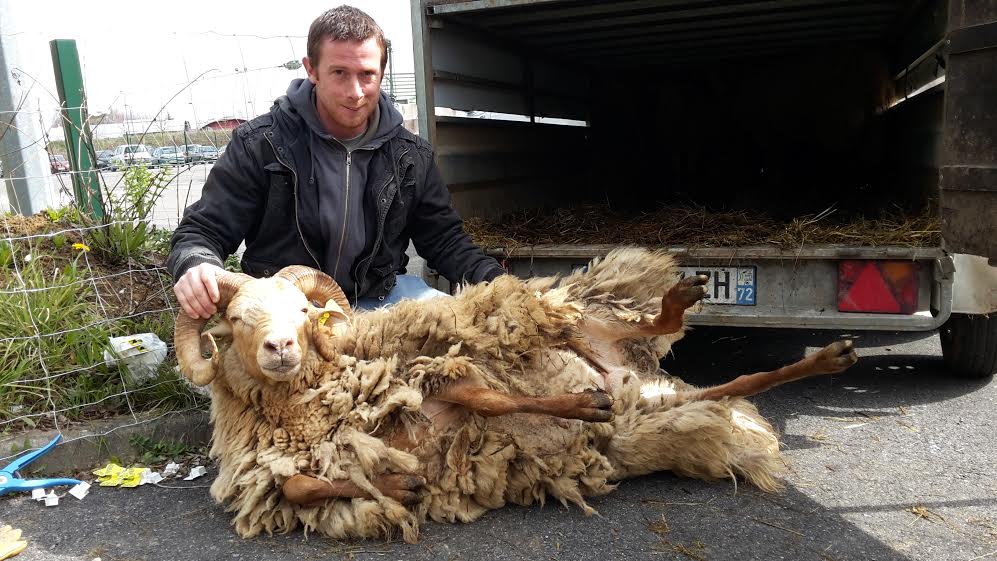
<point x="324" y="318"/>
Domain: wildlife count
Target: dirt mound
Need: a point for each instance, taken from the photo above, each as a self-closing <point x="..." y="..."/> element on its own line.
<point x="19" y="226"/>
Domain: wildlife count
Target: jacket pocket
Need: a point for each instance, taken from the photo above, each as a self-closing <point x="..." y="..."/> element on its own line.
<point x="278" y="214"/>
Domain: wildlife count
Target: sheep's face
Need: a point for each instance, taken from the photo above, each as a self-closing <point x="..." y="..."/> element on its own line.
<point x="269" y="318"/>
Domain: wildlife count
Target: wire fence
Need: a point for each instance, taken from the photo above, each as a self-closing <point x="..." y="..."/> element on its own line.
<point x="71" y="281"/>
<point x="61" y="303"/>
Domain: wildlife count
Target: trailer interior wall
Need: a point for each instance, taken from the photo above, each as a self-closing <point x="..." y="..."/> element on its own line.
<point x="779" y="106"/>
<point x="791" y="134"/>
<point x="969" y="168"/>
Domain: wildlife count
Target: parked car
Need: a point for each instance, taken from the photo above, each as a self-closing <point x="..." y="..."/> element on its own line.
<point x="191" y="152"/>
<point x="58" y="163"/>
<point x="208" y="153"/>
<point x="131" y="155"/>
<point x="104" y="159"/>
<point x="168" y="156"/>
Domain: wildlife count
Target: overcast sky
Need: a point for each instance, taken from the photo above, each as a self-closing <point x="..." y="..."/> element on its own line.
<point x="137" y="55"/>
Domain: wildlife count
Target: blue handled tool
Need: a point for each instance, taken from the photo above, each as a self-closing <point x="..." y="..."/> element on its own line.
<point x="10" y="482"/>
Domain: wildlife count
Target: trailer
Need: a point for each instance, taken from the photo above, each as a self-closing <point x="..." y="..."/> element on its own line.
<point x="786" y="107"/>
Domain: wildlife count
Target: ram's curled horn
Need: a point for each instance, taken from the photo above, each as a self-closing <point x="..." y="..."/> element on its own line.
<point x="187" y="336"/>
<point x="316" y="285"/>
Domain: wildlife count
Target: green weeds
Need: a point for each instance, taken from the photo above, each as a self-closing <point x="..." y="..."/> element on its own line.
<point x="156" y="451"/>
<point x="126" y="234"/>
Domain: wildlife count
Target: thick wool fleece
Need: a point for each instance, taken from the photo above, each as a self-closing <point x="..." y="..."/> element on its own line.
<point x="364" y="383"/>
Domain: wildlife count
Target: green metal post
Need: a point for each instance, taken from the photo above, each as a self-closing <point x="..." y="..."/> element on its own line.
<point x="79" y="143"/>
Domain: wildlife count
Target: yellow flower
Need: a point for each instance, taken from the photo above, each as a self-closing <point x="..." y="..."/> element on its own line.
<point x="81" y="246"/>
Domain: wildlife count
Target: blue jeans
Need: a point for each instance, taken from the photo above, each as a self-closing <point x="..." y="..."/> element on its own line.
<point x="406" y="287"/>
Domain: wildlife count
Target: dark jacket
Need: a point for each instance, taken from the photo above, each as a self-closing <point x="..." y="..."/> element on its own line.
<point x="259" y="191"/>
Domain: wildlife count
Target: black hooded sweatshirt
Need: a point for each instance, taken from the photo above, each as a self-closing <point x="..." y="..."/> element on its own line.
<point x="281" y="186"/>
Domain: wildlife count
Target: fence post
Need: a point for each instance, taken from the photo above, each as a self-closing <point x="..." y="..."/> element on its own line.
<point x="79" y="142"/>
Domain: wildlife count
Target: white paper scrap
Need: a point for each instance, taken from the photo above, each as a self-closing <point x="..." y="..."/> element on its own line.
<point x="38" y="494"/>
<point x="51" y="499"/>
<point x="171" y="469"/>
<point x="195" y="472"/>
<point x="151" y="477"/>
<point x="79" y="491"/>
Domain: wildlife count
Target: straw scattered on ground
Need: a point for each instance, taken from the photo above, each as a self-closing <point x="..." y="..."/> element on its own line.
<point x="696" y="226"/>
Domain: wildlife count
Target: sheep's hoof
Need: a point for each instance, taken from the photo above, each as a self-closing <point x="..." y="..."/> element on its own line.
<point x="688" y="291"/>
<point x="834" y="358"/>
<point x="592" y="405"/>
<point x="679" y="298"/>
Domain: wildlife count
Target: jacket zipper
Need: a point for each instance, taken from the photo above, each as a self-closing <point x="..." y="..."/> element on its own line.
<point x="296" y="221"/>
<point x="381" y="216"/>
<point x="346" y="213"/>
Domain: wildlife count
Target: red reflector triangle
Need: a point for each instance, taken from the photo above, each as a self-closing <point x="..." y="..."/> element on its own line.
<point x="870" y="293"/>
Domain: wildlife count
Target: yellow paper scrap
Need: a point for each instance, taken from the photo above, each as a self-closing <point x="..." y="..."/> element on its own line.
<point x="113" y="475"/>
<point x="109" y="475"/>
<point x="132" y="477"/>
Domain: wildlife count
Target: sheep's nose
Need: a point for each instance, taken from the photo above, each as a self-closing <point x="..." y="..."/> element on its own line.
<point x="278" y="344"/>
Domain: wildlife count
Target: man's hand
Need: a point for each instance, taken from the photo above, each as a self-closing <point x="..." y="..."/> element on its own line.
<point x="197" y="290"/>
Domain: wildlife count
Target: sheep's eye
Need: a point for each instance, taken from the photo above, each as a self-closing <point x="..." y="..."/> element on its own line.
<point x="235" y="318"/>
<point x="304" y="310"/>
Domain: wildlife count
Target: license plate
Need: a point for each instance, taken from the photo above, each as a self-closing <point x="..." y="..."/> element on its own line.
<point x="727" y="285"/>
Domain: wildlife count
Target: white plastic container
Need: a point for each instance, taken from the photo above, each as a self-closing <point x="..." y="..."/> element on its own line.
<point x="141" y="354"/>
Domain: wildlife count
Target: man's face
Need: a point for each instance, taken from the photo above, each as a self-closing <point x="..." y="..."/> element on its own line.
<point x="347" y="78"/>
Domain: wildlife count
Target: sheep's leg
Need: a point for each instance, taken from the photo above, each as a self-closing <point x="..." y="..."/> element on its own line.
<point x="311" y="491"/>
<point x="832" y="359"/>
<point x="680" y="297"/>
<point x="595" y="406"/>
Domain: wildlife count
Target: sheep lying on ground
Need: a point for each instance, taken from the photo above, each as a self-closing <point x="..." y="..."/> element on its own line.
<point x="367" y="424"/>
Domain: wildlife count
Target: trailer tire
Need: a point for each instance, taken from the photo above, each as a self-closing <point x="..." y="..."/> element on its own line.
<point x="969" y="345"/>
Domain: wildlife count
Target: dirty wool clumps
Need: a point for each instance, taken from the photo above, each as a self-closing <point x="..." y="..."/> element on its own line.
<point x="355" y="411"/>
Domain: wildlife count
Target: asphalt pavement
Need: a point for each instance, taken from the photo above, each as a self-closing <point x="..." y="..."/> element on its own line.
<point x="893" y="460"/>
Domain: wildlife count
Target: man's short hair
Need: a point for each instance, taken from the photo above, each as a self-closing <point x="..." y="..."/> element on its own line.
<point x="344" y="23"/>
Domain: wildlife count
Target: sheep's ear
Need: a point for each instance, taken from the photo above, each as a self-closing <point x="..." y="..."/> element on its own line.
<point x="331" y="318"/>
<point x="331" y="313"/>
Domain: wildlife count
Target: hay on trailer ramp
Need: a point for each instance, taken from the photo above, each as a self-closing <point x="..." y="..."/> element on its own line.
<point x="696" y="226"/>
